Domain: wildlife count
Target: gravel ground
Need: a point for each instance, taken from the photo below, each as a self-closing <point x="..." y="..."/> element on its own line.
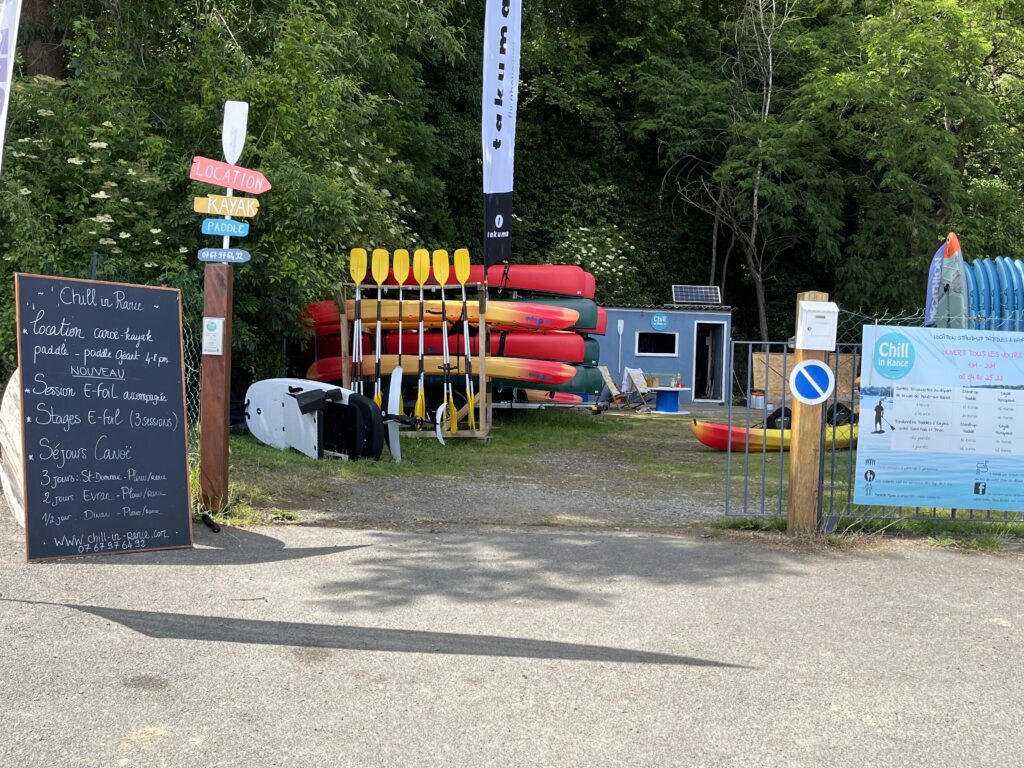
<point x="571" y="499"/>
<point x="594" y="485"/>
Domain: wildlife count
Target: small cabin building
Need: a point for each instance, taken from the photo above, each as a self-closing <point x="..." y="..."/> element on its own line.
<point x="688" y="342"/>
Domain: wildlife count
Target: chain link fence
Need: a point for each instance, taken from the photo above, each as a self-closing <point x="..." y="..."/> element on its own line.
<point x="837" y="479"/>
<point x="190" y="284"/>
<point x="757" y="477"/>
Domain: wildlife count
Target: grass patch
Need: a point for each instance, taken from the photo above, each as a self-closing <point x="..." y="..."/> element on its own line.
<point x="750" y="524"/>
<point x="936" y="528"/>
<point x="985" y="542"/>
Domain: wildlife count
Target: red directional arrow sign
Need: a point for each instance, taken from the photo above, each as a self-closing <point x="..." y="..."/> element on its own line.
<point x="226" y="175"/>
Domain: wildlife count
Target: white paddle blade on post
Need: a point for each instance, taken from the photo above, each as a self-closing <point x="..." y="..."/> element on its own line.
<point x="236" y="122"/>
<point x="620" y="326"/>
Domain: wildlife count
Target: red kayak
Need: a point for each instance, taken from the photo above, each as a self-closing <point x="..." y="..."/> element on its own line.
<point x="330" y="346"/>
<point x="601" y="327"/>
<point x="552" y="398"/>
<point x="556" y="279"/>
<point x="323" y="317"/>
<point x="564" y="347"/>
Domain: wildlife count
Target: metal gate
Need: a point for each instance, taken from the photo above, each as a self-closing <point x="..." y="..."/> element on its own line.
<point x="757" y="462"/>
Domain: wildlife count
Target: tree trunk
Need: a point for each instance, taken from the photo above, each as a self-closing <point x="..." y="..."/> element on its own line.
<point x="714" y="247"/>
<point x="762" y="315"/>
<point x="43" y="52"/>
<point x="754" y="260"/>
<point x="725" y="261"/>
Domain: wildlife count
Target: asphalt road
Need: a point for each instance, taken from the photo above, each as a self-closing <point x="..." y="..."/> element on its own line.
<point x="315" y="646"/>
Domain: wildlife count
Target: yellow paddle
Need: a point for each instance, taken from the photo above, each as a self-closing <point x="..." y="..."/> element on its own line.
<point x="461" y="258"/>
<point x="379" y="267"/>
<point x="357" y="268"/>
<point x="441" y="271"/>
<point x="400" y="266"/>
<point x="421" y="271"/>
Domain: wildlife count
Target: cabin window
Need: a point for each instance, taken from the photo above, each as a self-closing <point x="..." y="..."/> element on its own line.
<point x="652" y="344"/>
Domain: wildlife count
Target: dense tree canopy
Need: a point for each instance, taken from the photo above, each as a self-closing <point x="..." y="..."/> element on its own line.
<point x="768" y="146"/>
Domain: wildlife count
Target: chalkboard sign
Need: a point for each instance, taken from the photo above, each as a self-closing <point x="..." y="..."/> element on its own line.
<point x="103" y="414"/>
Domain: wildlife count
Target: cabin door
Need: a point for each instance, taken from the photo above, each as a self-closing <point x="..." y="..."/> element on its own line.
<point x="709" y="360"/>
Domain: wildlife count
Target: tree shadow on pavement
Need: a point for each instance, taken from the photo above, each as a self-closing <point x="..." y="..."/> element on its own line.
<point x="541" y="567"/>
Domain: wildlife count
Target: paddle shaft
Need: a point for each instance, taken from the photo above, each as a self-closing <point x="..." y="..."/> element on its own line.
<point x="421" y="337"/>
<point x="357" y="342"/>
<point x="376" y="372"/>
<point x="465" y="339"/>
<point x="444" y="347"/>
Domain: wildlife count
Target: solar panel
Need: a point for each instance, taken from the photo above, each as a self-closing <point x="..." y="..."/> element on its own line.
<point x="696" y="294"/>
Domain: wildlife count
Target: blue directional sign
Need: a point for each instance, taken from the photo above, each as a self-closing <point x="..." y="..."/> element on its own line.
<point x="225" y="227"/>
<point x="812" y="382"/>
<point x="224" y="255"/>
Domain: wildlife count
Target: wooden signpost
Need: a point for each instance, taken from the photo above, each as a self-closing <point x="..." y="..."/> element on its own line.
<point x="218" y="297"/>
<point x="805" y="448"/>
<point x="225" y="205"/>
<point x="224" y="255"/>
<point x="228" y="175"/>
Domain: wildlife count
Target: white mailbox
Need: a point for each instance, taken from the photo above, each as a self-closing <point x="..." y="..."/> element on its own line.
<point x="816" y="326"/>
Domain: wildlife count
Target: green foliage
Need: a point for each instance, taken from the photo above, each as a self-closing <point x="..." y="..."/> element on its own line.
<point x="890" y="124"/>
<point x="99" y="161"/>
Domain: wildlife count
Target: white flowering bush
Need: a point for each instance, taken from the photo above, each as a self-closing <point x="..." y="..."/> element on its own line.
<point x="604" y="251"/>
<point x="97" y="165"/>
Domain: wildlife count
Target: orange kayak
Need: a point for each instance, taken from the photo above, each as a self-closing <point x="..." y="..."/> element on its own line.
<point x="511" y="368"/>
<point x="500" y="314"/>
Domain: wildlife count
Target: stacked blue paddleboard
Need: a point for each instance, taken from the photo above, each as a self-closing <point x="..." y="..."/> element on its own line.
<point x="995" y="294"/>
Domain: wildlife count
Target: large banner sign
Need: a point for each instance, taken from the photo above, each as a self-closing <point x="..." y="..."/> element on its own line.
<point x="9" y="12"/>
<point x="498" y="129"/>
<point x="941" y="419"/>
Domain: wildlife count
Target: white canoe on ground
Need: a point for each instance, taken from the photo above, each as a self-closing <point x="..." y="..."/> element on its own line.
<point x="12" y="470"/>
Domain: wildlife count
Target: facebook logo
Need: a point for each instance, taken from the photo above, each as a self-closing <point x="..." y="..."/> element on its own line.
<point x="980" y="488"/>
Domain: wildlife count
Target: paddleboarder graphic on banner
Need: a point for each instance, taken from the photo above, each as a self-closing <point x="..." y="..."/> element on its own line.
<point x="502" y="31"/>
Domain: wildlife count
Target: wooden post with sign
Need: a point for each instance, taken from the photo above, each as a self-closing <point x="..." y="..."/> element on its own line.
<point x="215" y="387"/>
<point x="805" y="447"/>
<point x="218" y="295"/>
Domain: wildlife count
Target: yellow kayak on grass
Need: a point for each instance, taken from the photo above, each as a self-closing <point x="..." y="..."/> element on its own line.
<point x="738" y="438"/>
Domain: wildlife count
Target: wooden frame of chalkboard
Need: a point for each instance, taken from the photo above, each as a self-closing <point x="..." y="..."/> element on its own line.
<point x="104" y="426"/>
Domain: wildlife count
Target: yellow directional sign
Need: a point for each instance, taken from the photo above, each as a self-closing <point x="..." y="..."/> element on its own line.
<point x="222" y="205"/>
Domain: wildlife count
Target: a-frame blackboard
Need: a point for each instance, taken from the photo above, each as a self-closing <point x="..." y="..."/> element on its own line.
<point x="103" y="416"/>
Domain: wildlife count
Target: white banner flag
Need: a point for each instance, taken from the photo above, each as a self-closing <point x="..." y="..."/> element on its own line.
<point x="10" y="10"/>
<point x="502" y="32"/>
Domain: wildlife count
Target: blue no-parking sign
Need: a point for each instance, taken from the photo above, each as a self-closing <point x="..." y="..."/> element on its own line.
<point x="812" y="382"/>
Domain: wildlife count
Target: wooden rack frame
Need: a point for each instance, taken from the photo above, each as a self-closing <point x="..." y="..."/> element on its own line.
<point x="483" y="394"/>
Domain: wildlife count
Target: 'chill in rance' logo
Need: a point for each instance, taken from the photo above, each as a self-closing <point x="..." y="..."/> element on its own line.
<point x="894" y="356"/>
